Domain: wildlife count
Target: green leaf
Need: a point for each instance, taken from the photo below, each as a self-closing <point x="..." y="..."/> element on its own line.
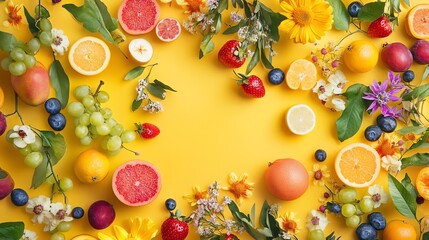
<point x="163" y="85"/>
<point x="276" y="19"/>
<point x="108" y="21"/>
<point x="425" y="236"/>
<point x="418" y="159"/>
<point x="254" y="60"/>
<point x="263" y="218"/>
<point x="206" y="46"/>
<point x="421" y="141"/>
<point x="235" y="28"/>
<point x="156" y="90"/>
<point x="60" y="82"/>
<point x="218" y="22"/>
<point x="351" y="119"/>
<point x="31" y="22"/>
<point x="223" y="4"/>
<point x="265" y="60"/>
<point x="402" y="199"/>
<point x="39" y="175"/>
<point x="371" y="11"/>
<point x="412" y="129"/>
<point x="54" y="142"/>
<point x="11" y="230"/>
<point x="408" y="184"/>
<point x="247" y="11"/>
<point x="425" y="73"/>
<point x="134" y="73"/>
<point x="420" y="92"/>
<point x="7" y="41"/>
<point x="341" y="15"/>
<point x="136" y="104"/>
<point x="273" y="225"/>
<point x="252" y="214"/>
<point x="41" y="12"/>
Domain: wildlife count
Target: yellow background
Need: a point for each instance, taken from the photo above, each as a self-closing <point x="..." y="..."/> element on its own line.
<point x="208" y="129"/>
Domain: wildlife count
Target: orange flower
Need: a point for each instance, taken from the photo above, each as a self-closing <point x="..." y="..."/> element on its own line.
<point x="196" y="195"/>
<point x="238" y="186"/>
<point x="288" y="223"/>
<point x="388" y="145"/>
<point x="192" y="5"/>
<point x="14" y="14"/>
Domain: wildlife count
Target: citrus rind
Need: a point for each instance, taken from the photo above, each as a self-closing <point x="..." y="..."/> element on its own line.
<point x="296" y="121"/>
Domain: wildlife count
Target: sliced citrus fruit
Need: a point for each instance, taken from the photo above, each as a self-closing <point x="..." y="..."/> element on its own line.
<point x="360" y="56"/>
<point x="300" y="119"/>
<point x="141" y="50"/>
<point x="1" y="97"/>
<point x="301" y="74"/>
<point x="89" y="56"/>
<point x="422" y="183"/>
<point x="84" y="237"/>
<point x="417" y="21"/>
<point x="168" y="29"/>
<point x="357" y="165"/>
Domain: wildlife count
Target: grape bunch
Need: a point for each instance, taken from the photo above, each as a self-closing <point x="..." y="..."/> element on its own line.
<point x="93" y="121"/>
<point x="32" y="152"/>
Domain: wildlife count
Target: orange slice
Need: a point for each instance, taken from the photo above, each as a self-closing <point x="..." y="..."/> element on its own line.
<point x="300" y="119"/>
<point x="301" y="74"/>
<point x="84" y="237"/>
<point x="1" y="97"/>
<point x="357" y="165"/>
<point x="417" y="21"/>
<point x="89" y="56"/>
<point x="422" y="183"/>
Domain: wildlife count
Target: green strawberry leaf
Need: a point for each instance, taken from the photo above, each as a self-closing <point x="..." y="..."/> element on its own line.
<point x="371" y="11"/>
<point x="134" y="73"/>
<point x="341" y="15"/>
<point x="60" y="82"/>
<point x="402" y="199"/>
<point x="418" y="159"/>
<point x="136" y="104"/>
<point x="11" y="230"/>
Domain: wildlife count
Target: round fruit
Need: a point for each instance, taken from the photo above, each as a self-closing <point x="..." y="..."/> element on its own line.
<point x="101" y="214"/>
<point x="89" y="56"/>
<point x="1" y="97"/>
<point x="320" y="155"/>
<point x="6" y="184"/>
<point x="138" y="16"/>
<point x="335" y="208"/>
<point x="170" y="204"/>
<point x="367" y="232"/>
<point x="141" y="50"/>
<point x="316" y="234"/>
<point x="422" y="183"/>
<point x="377" y="220"/>
<point x="396" y="56"/>
<point x="417" y="21"/>
<point x="301" y="119"/>
<point x="57" y="121"/>
<point x="168" y="29"/>
<point x="286" y="179"/>
<point x="420" y="51"/>
<point x="91" y="166"/>
<point x="353" y="221"/>
<point x="408" y="76"/>
<point x="354" y="8"/>
<point x="348" y="210"/>
<point x="3" y="123"/>
<point x="77" y="212"/>
<point x="53" y="106"/>
<point x="136" y="183"/>
<point x="360" y="56"/>
<point x="347" y="195"/>
<point x="366" y="204"/>
<point x="357" y="165"/>
<point x="276" y="76"/>
<point x="57" y="236"/>
<point x="301" y="74"/>
<point x="19" y="197"/>
<point x="373" y="133"/>
<point x="398" y="229"/>
<point x="386" y="123"/>
<point x="84" y="237"/>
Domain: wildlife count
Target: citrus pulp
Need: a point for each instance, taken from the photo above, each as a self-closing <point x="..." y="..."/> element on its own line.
<point x="360" y="56"/>
<point x="417" y="24"/>
<point x="301" y="74"/>
<point x="1" y="97"/>
<point x="91" y="166"/>
<point x="301" y="119"/>
<point x="168" y="29"/>
<point x="422" y="183"/>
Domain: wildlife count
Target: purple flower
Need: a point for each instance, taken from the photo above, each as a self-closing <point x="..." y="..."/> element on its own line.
<point x="394" y="112"/>
<point x="380" y="96"/>
<point x="395" y="80"/>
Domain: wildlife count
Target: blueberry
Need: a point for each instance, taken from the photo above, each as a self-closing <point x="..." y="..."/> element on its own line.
<point x="53" y="106"/>
<point x="334" y="207"/>
<point x="387" y="124"/>
<point x="77" y="212"/>
<point x="372" y="133"/>
<point x="377" y="220"/>
<point x="354" y="9"/>
<point x="276" y="76"/>
<point x="366" y="232"/>
<point x="170" y="204"/>
<point x="408" y="76"/>
<point x="320" y="155"/>
<point x="57" y="121"/>
<point x="19" y="197"/>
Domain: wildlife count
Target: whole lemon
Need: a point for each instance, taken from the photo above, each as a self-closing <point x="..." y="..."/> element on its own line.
<point x="91" y="166"/>
<point x="360" y="56"/>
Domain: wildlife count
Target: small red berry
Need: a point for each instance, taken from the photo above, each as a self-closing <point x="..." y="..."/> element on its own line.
<point x="147" y="130"/>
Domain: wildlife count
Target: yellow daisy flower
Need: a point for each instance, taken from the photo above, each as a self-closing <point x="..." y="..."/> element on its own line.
<point x="288" y="223"/>
<point x="141" y="229"/>
<point x="14" y="14"/>
<point x="196" y="195"/>
<point x="320" y="174"/>
<point x="239" y="187"/>
<point x="307" y="20"/>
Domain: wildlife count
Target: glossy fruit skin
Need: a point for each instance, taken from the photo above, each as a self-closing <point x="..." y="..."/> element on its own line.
<point x="380" y="28"/>
<point x="420" y="52"/>
<point x="276" y="76"/>
<point x="354" y="8"/>
<point x="316" y="234"/>
<point x="320" y="155"/>
<point x="373" y="133"/>
<point x="286" y="179"/>
<point x="33" y="86"/>
<point x="398" y="229"/>
<point x="386" y="123"/>
<point x="101" y="214"/>
<point x="3" y="123"/>
<point x="91" y="166"/>
<point x="147" y="130"/>
<point x="170" y="204"/>
<point x="408" y="76"/>
<point x="6" y="184"/>
<point x="229" y="53"/>
<point x="57" y="121"/>
<point x="19" y="197"/>
<point x="229" y="237"/>
<point x="360" y="56"/>
<point x="174" y="229"/>
<point x="396" y="56"/>
<point x="77" y="212"/>
<point x="254" y="87"/>
<point x="366" y="232"/>
<point x="53" y="106"/>
<point x="335" y="208"/>
<point x="377" y="220"/>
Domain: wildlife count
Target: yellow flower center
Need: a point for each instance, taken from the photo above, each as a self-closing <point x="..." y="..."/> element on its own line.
<point x="302" y="16"/>
<point x="290" y="226"/>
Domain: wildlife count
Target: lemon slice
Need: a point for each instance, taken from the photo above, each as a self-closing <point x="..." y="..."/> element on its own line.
<point x="300" y="119"/>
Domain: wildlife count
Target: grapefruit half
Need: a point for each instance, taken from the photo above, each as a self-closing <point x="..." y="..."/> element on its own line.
<point x="136" y="183"/>
<point x="138" y="16"/>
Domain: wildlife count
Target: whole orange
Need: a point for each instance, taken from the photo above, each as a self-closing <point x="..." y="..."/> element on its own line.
<point x="360" y="56"/>
<point x="398" y="229"/>
<point x="422" y="183"/>
<point x="91" y="166"/>
<point x="286" y="179"/>
<point x="1" y="97"/>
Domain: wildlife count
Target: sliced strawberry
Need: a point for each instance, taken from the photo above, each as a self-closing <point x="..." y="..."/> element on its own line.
<point x="147" y="130"/>
<point x="231" y="54"/>
<point x="380" y="28"/>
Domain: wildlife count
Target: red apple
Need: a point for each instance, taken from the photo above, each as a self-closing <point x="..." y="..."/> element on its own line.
<point x="6" y="184"/>
<point x="396" y="56"/>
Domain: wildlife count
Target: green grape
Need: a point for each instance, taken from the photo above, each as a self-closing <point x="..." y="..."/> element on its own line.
<point x="128" y="136"/>
<point x="111" y="122"/>
<point x="17" y="54"/>
<point x="102" y="97"/>
<point x="107" y="113"/>
<point x="5" y="63"/>
<point x="76" y="122"/>
<point x="93" y="131"/>
<point x="86" y="141"/>
<point x="103" y="129"/>
<point x="96" y="119"/>
<point x="353" y="221"/>
<point x="45" y="38"/>
<point x="45" y="24"/>
<point x="81" y="91"/>
<point x="88" y="101"/>
<point x="104" y="142"/>
<point x="116" y="130"/>
<point x="92" y="109"/>
<point x="84" y="119"/>
<point x="33" y="159"/>
<point x="366" y="204"/>
<point x="348" y="210"/>
<point x="30" y="61"/>
<point x="81" y="131"/>
<point x="66" y="184"/>
<point x="113" y="153"/>
<point x="58" y="236"/>
<point x="75" y="109"/>
<point x="316" y="234"/>
<point x="347" y="195"/>
<point x="34" y="45"/>
<point x="17" y="68"/>
<point x="113" y="143"/>
<point x="64" y="226"/>
<point x="37" y="145"/>
<point x="25" y="151"/>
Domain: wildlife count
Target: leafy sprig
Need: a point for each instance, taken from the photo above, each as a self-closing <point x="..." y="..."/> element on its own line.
<point x="11" y="230"/>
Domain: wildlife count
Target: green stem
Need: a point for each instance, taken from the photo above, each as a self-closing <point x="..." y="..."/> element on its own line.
<point x="348" y="35"/>
<point x="150" y="70"/>
<point x="16" y="111"/>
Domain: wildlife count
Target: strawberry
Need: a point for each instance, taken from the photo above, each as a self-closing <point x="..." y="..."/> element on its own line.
<point x="147" y="130"/>
<point x="252" y="85"/>
<point x="230" y="236"/>
<point x="380" y="28"/>
<point x="231" y="54"/>
<point x="174" y="227"/>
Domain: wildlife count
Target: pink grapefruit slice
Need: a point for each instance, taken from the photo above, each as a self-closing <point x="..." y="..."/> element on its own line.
<point x="136" y="183"/>
<point x="168" y="29"/>
<point x="138" y="16"/>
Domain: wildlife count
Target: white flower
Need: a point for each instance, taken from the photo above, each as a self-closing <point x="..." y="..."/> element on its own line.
<point x="59" y="214"/>
<point x="235" y="17"/>
<point x="316" y="220"/>
<point x="28" y="235"/>
<point x="323" y="90"/>
<point x="22" y="136"/>
<point x="336" y="103"/>
<point x="60" y="42"/>
<point x="391" y="163"/>
<point x="378" y="195"/>
<point x="40" y="207"/>
<point x="338" y="81"/>
<point x="153" y="107"/>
